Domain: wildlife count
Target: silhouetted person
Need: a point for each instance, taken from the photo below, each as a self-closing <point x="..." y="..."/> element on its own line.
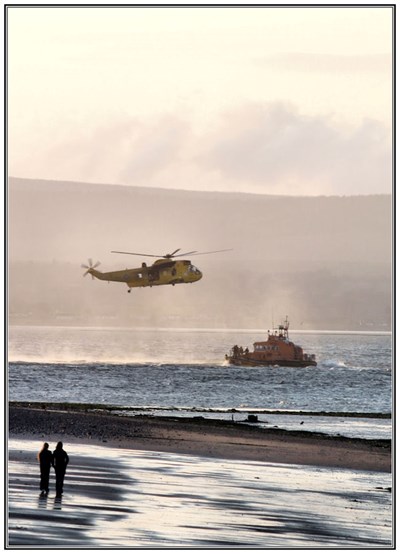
<point x="61" y="460"/>
<point x="45" y="458"/>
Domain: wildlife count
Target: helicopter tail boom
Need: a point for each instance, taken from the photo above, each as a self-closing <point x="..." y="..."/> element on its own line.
<point x="95" y="273"/>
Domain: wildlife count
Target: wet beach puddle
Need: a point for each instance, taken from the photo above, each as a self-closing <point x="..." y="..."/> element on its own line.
<point x="125" y="498"/>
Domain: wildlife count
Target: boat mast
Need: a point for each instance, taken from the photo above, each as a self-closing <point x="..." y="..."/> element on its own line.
<point x="284" y="329"/>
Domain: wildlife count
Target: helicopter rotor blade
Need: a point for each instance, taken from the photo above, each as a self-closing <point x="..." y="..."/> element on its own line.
<point x="174" y="254"/>
<point x="185" y="254"/>
<point x="136" y="254"/>
<point x="167" y="256"/>
<point x="212" y="252"/>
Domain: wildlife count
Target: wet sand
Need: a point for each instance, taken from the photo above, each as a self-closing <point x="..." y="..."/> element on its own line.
<point x="211" y="438"/>
<point x="118" y="498"/>
<point x="144" y="482"/>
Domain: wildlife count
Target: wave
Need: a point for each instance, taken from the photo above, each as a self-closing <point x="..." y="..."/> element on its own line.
<point x="334" y="364"/>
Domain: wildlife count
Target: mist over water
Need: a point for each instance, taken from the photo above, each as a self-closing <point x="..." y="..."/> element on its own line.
<point x="118" y="345"/>
<point x="50" y="344"/>
<point x="323" y="261"/>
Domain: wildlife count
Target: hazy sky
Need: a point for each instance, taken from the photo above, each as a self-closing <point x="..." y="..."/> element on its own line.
<point x="273" y="100"/>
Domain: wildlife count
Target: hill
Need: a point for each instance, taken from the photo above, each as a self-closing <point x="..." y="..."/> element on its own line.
<point x="324" y="261"/>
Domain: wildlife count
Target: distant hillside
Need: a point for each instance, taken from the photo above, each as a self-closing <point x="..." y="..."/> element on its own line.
<point x="324" y="260"/>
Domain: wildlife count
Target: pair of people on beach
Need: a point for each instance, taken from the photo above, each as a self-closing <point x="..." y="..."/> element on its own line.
<point x="59" y="460"/>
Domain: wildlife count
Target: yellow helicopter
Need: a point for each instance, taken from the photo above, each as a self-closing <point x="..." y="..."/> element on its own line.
<point x="164" y="271"/>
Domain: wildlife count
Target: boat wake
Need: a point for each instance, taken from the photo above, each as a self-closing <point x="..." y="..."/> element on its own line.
<point x="333" y="364"/>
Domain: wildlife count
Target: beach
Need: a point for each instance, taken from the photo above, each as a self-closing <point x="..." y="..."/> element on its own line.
<point x="169" y="482"/>
<point x="197" y="436"/>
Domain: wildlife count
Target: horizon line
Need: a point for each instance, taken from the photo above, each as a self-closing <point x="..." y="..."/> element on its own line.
<point x="222" y="192"/>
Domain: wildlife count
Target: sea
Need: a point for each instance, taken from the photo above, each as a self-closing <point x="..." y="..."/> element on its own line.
<point x="183" y="373"/>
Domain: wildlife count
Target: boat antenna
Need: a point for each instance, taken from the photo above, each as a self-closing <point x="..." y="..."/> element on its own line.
<point x="287" y="327"/>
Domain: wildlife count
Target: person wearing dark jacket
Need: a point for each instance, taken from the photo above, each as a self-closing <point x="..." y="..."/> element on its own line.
<point x="45" y="458"/>
<point x="61" y="460"/>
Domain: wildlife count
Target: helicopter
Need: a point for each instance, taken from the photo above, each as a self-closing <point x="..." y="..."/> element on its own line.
<point x="164" y="271"/>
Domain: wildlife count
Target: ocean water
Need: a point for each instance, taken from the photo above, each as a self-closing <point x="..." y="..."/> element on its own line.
<point x="183" y="371"/>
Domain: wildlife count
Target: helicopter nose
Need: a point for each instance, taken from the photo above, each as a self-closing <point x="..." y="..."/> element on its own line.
<point x="195" y="273"/>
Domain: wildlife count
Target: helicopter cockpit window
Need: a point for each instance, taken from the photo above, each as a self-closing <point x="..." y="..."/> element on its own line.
<point x="193" y="269"/>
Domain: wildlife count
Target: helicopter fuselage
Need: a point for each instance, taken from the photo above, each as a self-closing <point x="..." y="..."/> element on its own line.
<point x="161" y="272"/>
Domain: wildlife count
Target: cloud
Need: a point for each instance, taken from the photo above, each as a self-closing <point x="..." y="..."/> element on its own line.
<point x="127" y="151"/>
<point x="259" y="148"/>
<point x="153" y="148"/>
<point x="328" y="63"/>
<point x="274" y="148"/>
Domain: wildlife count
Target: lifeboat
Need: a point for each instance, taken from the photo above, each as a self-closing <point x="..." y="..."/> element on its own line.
<point x="276" y="350"/>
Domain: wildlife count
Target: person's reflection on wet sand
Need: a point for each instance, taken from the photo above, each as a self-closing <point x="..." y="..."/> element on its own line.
<point x="42" y="503"/>
<point x="57" y="503"/>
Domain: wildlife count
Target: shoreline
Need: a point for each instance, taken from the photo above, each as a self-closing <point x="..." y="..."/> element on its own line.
<point x="246" y="330"/>
<point x="195" y="436"/>
<point x="108" y="408"/>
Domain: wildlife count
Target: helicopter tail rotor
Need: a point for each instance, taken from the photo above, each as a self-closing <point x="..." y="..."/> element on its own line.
<point x="90" y="267"/>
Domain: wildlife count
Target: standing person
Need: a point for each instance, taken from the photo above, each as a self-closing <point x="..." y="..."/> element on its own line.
<point x="61" y="460"/>
<point x="45" y="458"/>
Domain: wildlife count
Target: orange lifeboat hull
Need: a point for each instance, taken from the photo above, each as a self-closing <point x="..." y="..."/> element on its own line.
<point x="254" y="362"/>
